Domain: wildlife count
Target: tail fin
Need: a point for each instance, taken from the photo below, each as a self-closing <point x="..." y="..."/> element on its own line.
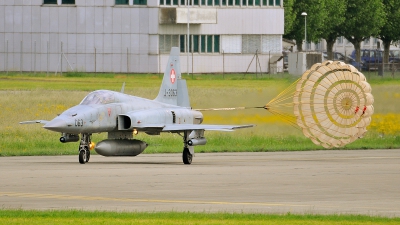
<point x="173" y="89"/>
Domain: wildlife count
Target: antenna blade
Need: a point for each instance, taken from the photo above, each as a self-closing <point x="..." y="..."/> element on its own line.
<point x="123" y="88"/>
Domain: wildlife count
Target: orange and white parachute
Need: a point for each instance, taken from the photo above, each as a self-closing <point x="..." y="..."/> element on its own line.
<point x="332" y="104"/>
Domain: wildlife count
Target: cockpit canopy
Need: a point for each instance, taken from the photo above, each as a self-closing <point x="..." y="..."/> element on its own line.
<point x="100" y="97"/>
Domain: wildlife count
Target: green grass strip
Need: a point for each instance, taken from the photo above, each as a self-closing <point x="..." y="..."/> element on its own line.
<point x="101" y="217"/>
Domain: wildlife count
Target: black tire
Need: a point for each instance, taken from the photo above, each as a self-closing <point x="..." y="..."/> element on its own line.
<point x="186" y="156"/>
<point x="87" y="155"/>
<point x="82" y="157"/>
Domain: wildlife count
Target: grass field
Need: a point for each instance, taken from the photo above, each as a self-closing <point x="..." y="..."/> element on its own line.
<point x="82" y="217"/>
<point x="30" y="97"/>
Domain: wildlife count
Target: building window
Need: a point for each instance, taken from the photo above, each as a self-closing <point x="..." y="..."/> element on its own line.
<point x="166" y="42"/>
<point x="209" y="43"/>
<point x="122" y="2"/>
<point x="203" y="43"/>
<point x="270" y="2"/>
<point x="59" y="2"/>
<point x="216" y="43"/>
<point x="366" y="41"/>
<point x="195" y="2"/>
<point x="339" y="40"/>
<point x="182" y="42"/>
<point x="216" y="2"/>
<point x="131" y="2"/>
<point x="251" y="44"/>
<point x="308" y="45"/>
<point x="200" y="43"/>
<point x="318" y="45"/>
<point x="230" y="2"/>
<point x="140" y="2"/>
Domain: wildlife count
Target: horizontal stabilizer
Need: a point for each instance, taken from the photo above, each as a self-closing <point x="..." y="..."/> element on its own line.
<point x="34" y="121"/>
<point x="182" y="127"/>
<point x="229" y="109"/>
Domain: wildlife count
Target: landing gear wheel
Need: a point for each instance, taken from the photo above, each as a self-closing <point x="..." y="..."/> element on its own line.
<point x="84" y="153"/>
<point x="87" y="155"/>
<point x="186" y="156"/>
<point x="82" y="157"/>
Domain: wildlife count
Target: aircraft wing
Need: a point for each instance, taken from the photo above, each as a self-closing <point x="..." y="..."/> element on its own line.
<point x="181" y="127"/>
<point x="34" y="121"/>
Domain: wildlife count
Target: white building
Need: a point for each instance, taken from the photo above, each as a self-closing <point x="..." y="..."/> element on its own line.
<point x="136" y="35"/>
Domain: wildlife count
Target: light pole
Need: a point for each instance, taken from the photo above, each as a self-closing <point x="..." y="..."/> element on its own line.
<point x="305" y="28"/>
<point x="188" y="37"/>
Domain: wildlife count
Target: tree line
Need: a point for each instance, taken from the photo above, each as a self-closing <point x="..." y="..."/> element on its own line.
<point x="356" y="20"/>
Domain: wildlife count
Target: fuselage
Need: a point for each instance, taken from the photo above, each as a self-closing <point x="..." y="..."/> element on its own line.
<point x="99" y="111"/>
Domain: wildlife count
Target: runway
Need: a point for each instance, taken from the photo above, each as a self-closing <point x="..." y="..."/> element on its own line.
<point x="318" y="182"/>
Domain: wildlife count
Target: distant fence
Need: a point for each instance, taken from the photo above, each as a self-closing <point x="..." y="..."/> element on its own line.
<point x="44" y="57"/>
<point x="50" y="57"/>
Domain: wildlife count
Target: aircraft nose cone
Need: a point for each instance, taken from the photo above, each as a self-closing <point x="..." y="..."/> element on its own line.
<point x="58" y="125"/>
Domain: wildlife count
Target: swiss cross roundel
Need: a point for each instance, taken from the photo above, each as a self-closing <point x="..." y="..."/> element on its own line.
<point x="172" y="76"/>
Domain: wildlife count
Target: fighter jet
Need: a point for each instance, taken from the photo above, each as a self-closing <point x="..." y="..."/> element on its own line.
<point x="122" y="116"/>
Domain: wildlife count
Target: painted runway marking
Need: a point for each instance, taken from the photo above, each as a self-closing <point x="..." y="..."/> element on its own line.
<point x="167" y="201"/>
<point x="96" y="198"/>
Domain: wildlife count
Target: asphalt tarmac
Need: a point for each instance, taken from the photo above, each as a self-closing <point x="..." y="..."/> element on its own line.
<point x="313" y="182"/>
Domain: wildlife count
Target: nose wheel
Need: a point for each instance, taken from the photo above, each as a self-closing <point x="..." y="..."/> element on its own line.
<point x="84" y="152"/>
<point x="82" y="157"/>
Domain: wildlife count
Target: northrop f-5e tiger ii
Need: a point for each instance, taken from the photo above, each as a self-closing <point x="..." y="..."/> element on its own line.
<point x="121" y="115"/>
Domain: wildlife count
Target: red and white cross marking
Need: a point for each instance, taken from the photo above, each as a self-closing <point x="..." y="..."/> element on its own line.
<point x="172" y="76"/>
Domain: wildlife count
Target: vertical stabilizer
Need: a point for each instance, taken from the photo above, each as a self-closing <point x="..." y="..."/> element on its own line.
<point x="173" y="89"/>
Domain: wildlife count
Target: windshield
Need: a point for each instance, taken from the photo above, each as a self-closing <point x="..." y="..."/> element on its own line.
<point x="98" y="97"/>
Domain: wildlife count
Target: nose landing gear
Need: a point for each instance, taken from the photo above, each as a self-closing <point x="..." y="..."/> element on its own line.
<point x="84" y="152"/>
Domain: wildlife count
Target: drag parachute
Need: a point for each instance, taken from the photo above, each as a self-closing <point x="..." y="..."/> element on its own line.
<point x="332" y="103"/>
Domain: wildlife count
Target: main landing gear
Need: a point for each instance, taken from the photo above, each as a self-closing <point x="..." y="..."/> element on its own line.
<point x="187" y="155"/>
<point x="84" y="151"/>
